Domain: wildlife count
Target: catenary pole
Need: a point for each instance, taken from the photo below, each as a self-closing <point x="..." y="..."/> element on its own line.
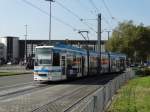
<point x="99" y="42"/>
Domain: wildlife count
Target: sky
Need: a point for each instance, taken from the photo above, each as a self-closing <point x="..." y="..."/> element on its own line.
<point x="66" y="17"/>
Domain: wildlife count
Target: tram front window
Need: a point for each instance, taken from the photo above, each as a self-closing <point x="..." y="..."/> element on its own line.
<point x="44" y="62"/>
<point x="44" y="56"/>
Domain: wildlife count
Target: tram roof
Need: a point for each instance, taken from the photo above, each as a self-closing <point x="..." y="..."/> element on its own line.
<point x="44" y="46"/>
<point x="117" y="54"/>
<point x="63" y="46"/>
<point x="70" y="47"/>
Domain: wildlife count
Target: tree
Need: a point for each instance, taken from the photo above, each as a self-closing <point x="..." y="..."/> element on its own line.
<point x="130" y="39"/>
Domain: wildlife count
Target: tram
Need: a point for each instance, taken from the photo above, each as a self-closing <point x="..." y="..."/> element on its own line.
<point x="60" y="62"/>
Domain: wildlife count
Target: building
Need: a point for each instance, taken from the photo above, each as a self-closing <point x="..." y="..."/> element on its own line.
<point x="1" y="50"/>
<point x="13" y="48"/>
<point x="10" y="47"/>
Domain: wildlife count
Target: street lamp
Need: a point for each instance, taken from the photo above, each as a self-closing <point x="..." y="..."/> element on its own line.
<point x="50" y="20"/>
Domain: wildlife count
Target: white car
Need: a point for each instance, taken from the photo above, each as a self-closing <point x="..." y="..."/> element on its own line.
<point x="9" y="63"/>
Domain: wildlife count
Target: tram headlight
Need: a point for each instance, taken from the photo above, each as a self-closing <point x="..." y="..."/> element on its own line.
<point x="35" y="73"/>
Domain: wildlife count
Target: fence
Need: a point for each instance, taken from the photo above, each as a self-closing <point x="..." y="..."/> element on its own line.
<point x="101" y="99"/>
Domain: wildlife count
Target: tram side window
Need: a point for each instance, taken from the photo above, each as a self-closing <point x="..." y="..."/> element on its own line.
<point x="56" y="59"/>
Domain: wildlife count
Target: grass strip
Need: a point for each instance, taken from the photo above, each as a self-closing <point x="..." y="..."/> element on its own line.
<point x="133" y="97"/>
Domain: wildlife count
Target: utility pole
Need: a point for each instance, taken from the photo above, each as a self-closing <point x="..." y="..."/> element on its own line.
<point x="99" y="42"/>
<point x="50" y="12"/>
<point x="26" y="34"/>
<point x="87" y="39"/>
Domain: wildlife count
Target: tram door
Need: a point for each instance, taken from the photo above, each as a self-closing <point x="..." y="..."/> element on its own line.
<point x="83" y="66"/>
<point x="63" y="64"/>
<point x="79" y="65"/>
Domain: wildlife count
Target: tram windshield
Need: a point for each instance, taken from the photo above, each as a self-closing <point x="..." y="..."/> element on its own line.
<point x="43" y="56"/>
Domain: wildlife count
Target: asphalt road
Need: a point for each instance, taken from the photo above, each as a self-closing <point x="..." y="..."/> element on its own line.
<point x="9" y="81"/>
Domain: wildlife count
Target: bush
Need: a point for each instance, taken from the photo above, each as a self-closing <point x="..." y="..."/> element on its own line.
<point x="142" y="71"/>
<point x="139" y="72"/>
<point x="146" y="71"/>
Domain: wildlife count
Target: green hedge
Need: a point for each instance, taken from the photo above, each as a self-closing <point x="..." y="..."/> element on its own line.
<point x="143" y="71"/>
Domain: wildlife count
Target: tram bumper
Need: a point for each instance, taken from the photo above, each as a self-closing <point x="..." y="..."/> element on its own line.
<point x="41" y="76"/>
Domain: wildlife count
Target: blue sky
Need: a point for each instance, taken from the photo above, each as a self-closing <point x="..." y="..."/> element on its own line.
<point x="16" y="13"/>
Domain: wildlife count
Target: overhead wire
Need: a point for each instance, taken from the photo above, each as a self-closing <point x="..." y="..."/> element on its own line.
<point x="97" y="10"/>
<point x="85" y="7"/>
<point x="106" y="21"/>
<point x="57" y="19"/>
<point x="91" y="11"/>
<point x="70" y="11"/>
<point x="75" y="15"/>
<point x="108" y="10"/>
<point x="94" y="6"/>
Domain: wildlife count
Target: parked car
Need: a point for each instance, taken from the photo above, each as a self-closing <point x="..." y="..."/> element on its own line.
<point x="9" y="63"/>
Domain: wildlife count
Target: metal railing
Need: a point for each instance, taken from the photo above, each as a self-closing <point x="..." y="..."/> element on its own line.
<point x="102" y="98"/>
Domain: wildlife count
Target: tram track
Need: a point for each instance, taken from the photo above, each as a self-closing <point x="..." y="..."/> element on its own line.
<point x="20" y="89"/>
<point x="56" y="96"/>
<point x="26" y="88"/>
<point x="15" y="85"/>
<point x="29" y="87"/>
<point x="59" y="104"/>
